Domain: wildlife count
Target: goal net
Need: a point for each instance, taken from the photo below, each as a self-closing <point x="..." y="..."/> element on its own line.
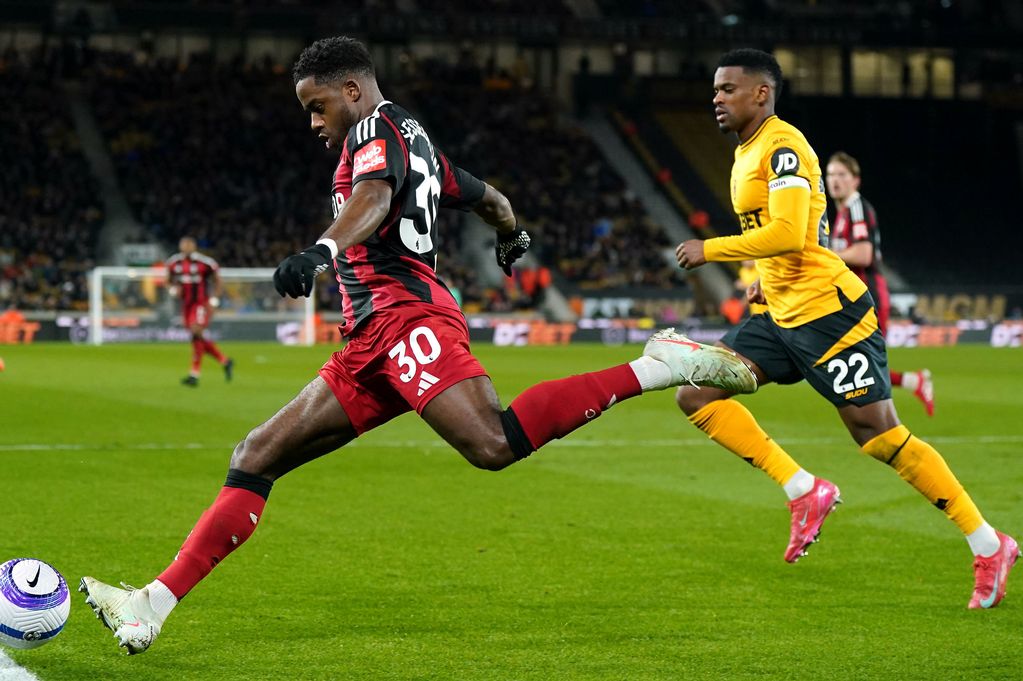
<point x="132" y="304"/>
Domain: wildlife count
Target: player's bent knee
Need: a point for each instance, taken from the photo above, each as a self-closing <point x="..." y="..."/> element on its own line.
<point x="493" y="455"/>
<point x="691" y="399"/>
<point x="251" y="454"/>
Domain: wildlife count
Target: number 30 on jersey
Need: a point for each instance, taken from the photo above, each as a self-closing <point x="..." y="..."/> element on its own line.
<point x="425" y="349"/>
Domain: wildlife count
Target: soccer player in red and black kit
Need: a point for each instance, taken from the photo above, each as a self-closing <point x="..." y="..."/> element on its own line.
<point x="856" y="239"/>
<point x="408" y="343"/>
<point x="191" y="276"/>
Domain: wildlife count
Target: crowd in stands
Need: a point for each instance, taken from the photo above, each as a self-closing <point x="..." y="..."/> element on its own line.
<point x="52" y="211"/>
<point x="221" y="151"/>
<point x="589" y="225"/>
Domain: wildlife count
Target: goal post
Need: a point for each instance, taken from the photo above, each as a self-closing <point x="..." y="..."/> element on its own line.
<point x="132" y="304"/>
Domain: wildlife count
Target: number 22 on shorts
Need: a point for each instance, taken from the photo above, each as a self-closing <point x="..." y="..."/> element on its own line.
<point x="425" y="349"/>
<point x="860" y="383"/>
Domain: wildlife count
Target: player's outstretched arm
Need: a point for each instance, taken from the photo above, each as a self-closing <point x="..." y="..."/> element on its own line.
<point x="496" y="210"/>
<point x="218" y="289"/>
<point x="172" y="283"/>
<point x="512" y="240"/>
<point x="789" y="208"/>
<point x="361" y="214"/>
<point x="859" y="254"/>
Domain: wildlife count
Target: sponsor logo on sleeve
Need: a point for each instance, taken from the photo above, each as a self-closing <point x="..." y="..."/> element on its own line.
<point x="784" y="161"/>
<point x="370" y="158"/>
<point x="859" y="230"/>
<point x="337" y="203"/>
<point x="786" y="182"/>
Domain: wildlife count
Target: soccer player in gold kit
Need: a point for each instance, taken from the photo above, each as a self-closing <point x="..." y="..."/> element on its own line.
<point x="821" y="326"/>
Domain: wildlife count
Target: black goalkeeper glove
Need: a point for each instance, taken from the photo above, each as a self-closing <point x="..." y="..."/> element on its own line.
<point x="511" y="247"/>
<point x="296" y="273"/>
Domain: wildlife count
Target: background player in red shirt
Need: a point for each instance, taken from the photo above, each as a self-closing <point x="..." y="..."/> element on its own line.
<point x="856" y="239"/>
<point x="191" y="276"/>
<point x="408" y="342"/>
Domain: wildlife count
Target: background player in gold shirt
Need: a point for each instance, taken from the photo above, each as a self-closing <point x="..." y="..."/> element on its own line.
<point x="821" y="326"/>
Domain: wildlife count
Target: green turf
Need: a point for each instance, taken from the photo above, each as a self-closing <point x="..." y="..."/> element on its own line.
<point x="634" y="549"/>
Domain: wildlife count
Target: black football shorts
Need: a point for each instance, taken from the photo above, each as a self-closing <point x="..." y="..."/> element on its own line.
<point x="842" y="355"/>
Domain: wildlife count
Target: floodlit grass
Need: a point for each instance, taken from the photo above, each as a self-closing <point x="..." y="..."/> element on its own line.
<point x="633" y="549"/>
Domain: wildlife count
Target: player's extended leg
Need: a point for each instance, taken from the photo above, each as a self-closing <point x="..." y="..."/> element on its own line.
<point x="876" y="429"/>
<point x="732" y="426"/>
<point x="917" y="382"/>
<point x="468" y="414"/>
<point x="198" y="348"/>
<point x="206" y="346"/>
<point x="311" y="425"/>
<point x="211" y="349"/>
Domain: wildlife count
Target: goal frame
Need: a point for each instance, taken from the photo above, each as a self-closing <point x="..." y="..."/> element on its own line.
<point x="159" y="274"/>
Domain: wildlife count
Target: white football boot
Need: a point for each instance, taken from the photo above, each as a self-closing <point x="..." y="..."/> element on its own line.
<point x="700" y="365"/>
<point x="126" y="612"/>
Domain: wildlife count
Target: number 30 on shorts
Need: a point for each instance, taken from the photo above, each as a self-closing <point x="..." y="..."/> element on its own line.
<point x="423" y="345"/>
<point x="858" y="362"/>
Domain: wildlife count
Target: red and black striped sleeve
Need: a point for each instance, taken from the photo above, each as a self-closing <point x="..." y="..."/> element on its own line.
<point x="459" y="189"/>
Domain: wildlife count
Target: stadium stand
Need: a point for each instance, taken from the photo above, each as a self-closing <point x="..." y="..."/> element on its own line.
<point x="592" y="229"/>
<point x="51" y="212"/>
<point x="222" y="152"/>
<point x="219" y="151"/>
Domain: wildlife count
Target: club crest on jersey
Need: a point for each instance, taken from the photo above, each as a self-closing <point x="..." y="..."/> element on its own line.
<point x="370" y="158"/>
<point x="785" y="162"/>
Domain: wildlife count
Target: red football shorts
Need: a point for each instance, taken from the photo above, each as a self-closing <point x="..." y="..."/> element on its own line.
<point x="398" y="360"/>
<point x="196" y="313"/>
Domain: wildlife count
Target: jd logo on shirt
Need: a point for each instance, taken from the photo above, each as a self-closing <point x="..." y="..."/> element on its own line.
<point x="785" y="162"/>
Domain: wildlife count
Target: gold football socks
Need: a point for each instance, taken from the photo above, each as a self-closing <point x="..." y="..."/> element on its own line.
<point x="732" y="426"/>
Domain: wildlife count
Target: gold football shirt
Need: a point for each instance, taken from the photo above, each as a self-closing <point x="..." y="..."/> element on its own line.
<point x="778" y="196"/>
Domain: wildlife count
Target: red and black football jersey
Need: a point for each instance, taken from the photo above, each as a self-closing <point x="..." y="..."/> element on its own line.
<point x="396" y="264"/>
<point x="853" y="223"/>
<point x="192" y="273"/>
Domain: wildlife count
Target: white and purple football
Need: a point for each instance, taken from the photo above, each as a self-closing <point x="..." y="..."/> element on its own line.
<point x="34" y="603"/>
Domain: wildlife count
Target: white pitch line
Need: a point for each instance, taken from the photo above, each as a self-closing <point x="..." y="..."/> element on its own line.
<point x="75" y="447"/>
<point x="12" y="671"/>
<point x="571" y="443"/>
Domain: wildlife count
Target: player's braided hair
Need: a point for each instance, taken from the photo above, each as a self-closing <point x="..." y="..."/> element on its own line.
<point x="757" y="61"/>
<point x="331" y="59"/>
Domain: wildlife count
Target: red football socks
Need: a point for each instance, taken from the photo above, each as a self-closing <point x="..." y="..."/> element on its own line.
<point x="221" y="529"/>
<point x="212" y="349"/>
<point x="553" y="409"/>
<point x="198" y="347"/>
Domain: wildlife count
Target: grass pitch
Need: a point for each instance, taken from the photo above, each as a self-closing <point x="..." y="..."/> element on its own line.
<point x="633" y="549"/>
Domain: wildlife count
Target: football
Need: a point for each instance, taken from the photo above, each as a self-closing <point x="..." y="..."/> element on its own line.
<point x="34" y="603"/>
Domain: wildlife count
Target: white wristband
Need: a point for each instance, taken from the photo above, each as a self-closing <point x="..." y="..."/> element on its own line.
<point x="331" y="244"/>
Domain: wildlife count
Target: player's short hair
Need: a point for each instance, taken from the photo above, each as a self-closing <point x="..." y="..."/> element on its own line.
<point x="331" y="59"/>
<point x="756" y="61"/>
<point x="847" y="160"/>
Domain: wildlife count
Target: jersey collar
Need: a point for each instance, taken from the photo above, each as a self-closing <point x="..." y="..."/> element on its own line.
<point x="376" y="111"/>
<point x="760" y="129"/>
